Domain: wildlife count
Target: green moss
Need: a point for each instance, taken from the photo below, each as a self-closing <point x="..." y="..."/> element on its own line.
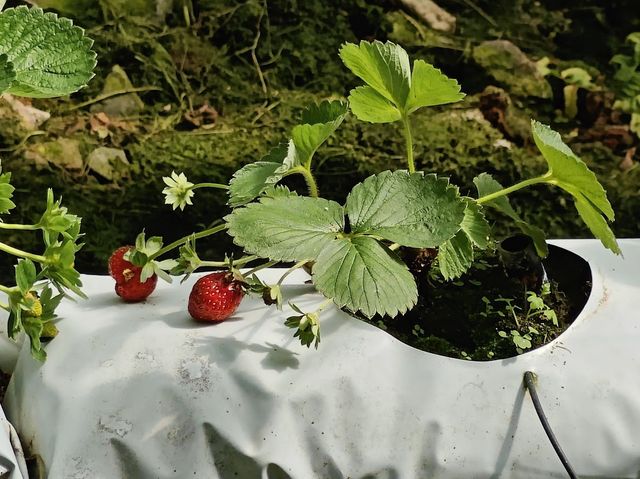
<point x="208" y="60"/>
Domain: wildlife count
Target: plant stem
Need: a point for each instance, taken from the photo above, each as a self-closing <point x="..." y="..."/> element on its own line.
<point x="10" y="226"/>
<point x="210" y="185"/>
<point x="299" y="264"/>
<point x="408" y="137"/>
<point x="22" y="254"/>
<point x="105" y="96"/>
<point x="7" y="289"/>
<point x="308" y="178"/>
<point x="268" y="264"/>
<point x="324" y="304"/>
<point x="532" y="181"/>
<point x="237" y="262"/>
<point x="181" y="241"/>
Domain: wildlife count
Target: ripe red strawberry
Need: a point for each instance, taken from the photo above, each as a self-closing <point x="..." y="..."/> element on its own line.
<point x="127" y="276"/>
<point x="215" y="297"/>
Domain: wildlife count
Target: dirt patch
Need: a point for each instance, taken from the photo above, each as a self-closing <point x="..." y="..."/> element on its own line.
<point x="487" y="315"/>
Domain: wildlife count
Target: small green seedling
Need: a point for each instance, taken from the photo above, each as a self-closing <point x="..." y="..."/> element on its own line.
<point x="418" y="331"/>
<point x="522" y="342"/>
<point x="537" y="306"/>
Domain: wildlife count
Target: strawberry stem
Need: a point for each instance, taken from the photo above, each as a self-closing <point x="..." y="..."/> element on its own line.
<point x="308" y="178"/>
<point x="268" y="264"/>
<point x="22" y="254"/>
<point x="299" y="264"/>
<point x="236" y="262"/>
<point x="7" y="289"/>
<point x="184" y="239"/>
<point x="11" y="226"/>
<point x="323" y="305"/>
<point x="532" y="181"/>
<point x="210" y="185"/>
<point x="408" y="138"/>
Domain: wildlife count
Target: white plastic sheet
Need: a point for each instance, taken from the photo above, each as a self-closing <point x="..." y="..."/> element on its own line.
<point x="12" y="463"/>
<point x="140" y="391"/>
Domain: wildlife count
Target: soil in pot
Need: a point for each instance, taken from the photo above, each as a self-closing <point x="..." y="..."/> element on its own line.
<point x="488" y="314"/>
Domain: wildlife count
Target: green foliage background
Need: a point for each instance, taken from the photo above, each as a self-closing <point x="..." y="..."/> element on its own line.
<point x="205" y="52"/>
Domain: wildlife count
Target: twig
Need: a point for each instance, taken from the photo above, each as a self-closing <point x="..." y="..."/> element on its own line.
<point x="23" y="141"/>
<point x="415" y="24"/>
<point x="106" y="96"/>
<point x="481" y="12"/>
<point x="253" y="47"/>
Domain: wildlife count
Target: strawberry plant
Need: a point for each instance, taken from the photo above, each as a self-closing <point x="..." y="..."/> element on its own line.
<point x="352" y="248"/>
<point x="41" y="56"/>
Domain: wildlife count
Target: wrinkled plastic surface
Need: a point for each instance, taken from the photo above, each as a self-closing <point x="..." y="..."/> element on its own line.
<point x="12" y="463"/>
<point x="142" y="391"/>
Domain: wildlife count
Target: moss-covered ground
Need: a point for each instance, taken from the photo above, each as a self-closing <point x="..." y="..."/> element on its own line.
<point x="219" y="82"/>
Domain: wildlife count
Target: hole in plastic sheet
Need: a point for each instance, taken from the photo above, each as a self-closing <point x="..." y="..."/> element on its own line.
<point x="471" y="319"/>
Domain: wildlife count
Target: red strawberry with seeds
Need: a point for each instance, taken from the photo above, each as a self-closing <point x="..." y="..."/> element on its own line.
<point x="127" y="276"/>
<point x="215" y="297"/>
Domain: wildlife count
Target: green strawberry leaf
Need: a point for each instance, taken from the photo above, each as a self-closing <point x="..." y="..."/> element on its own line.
<point x="568" y="171"/>
<point x="56" y="218"/>
<point x="286" y="228"/>
<point x="307" y="327"/>
<point x="25" y="275"/>
<point x="455" y="256"/>
<point x="393" y="90"/>
<point x="278" y="191"/>
<point x="160" y="269"/>
<point x="147" y="247"/>
<point x="485" y="184"/>
<point x="319" y="122"/>
<point x="50" y="56"/>
<point x="597" y="224"/>
<point x="147" y="271"/>
<point x="421" y="211"/>
<point x="431" y="87"/>
<point x="571" y="174"/>
<point x="33" y="327"/>
<point x="384" y="67"/>
<point x="475" y="225"/>
<point x="361" y="274"/>
<point x="249" y="182"/>
<point x="368" y="105"/>
<point x="6" y="193"/>
<point x="49" y="303"/>
<point x="59" y="267"/>
<point x="7" y="73"/>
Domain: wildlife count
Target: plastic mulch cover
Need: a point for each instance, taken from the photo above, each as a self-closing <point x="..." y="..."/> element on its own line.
<point x="141" y="391"/>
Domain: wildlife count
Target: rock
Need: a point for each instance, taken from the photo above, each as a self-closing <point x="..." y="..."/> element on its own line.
<point x="432" y="14"/>
<point x="110" y="163"/>
<point x="30" y="118"/>
<point x="63" y="152"/>
<point x="505" y="62"/>
<point x="122" y="105"/>
<point x="497" y="108"/>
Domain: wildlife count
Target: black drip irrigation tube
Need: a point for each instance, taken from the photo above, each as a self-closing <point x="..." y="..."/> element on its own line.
<point x="530" y="385"/>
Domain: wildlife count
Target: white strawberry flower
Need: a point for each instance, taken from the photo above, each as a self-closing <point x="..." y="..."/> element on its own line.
<point x="179" y="190"/>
